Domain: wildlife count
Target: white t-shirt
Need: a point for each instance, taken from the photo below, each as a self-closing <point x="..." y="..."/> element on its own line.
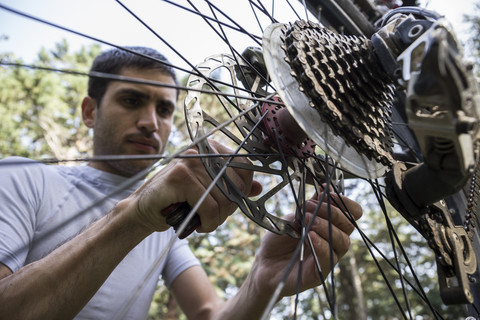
<point x="42" y="206"/>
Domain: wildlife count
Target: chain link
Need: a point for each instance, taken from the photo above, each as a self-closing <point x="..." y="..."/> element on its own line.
<point x="472" y="202"/>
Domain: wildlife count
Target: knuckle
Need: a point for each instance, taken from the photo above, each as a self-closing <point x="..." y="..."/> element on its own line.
<point x="318" y="241"/>
<point x="191" y="151"/>
<point x="215" y="209"/>
<point x="180" y="172"/>
<point x="241" y="185"/>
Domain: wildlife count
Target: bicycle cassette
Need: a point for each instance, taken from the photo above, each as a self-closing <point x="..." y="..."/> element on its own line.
<point x="332" y="86"/>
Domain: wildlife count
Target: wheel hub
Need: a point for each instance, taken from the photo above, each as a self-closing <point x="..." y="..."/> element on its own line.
<point x="282" y="131"/>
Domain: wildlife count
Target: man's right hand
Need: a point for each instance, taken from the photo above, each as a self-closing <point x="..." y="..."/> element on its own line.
<point x="186" y="180"/>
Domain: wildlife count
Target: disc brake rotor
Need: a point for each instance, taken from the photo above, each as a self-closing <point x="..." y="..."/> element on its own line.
<point x="329" y="84"/>
<point x="248" y="132"/>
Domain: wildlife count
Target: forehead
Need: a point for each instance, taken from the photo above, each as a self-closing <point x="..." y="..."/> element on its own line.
<point x="154" y="75"/>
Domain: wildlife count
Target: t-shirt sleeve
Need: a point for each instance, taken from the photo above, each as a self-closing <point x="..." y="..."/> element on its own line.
<point x="19" y="202"/>
<point x="179" y="259"/>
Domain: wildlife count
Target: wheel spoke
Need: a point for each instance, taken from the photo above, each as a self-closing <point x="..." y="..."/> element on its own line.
<point x="226" y="98"/>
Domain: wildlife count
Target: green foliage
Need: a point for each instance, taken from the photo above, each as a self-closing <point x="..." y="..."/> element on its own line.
<point x="474" y="40"/>
<point x="227" y="255"/>
<point x="40" y="109"/>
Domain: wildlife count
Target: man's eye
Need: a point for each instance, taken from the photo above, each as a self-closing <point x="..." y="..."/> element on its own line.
<point x="131" y="101"/>
<point x="164" y="111"/>
<point x="165" y="108"/>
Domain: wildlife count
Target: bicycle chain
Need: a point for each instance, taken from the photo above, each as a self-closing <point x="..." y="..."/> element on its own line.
<point x="341" y="77"/>
<point x="472" y="202"/>
<point x="433" y="227"/>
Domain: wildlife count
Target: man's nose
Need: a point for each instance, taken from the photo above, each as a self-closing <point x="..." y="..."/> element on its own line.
<point x="147" y="118"/>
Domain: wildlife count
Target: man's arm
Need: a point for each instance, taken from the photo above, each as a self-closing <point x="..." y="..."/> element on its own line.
<point x="59" y="285"/>
<point x="195" y="294"/>
<point x="4" y="271"/>
<point x="197" y="298"/>
<point x="192" y="288"/>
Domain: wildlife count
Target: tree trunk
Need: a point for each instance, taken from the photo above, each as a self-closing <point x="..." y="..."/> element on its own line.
<point x="352" y="299"/>
<point x="357" y="286"/>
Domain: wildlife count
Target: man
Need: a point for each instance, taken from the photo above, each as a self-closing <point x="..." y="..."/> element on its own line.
<point x="73" y="245"/>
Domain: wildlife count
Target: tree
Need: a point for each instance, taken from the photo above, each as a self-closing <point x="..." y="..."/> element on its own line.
<point x="40" y="110"/>
<point x="474" y="40"/>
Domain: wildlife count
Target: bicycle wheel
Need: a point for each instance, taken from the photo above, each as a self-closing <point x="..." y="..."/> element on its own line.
<point x="243" y="95"/>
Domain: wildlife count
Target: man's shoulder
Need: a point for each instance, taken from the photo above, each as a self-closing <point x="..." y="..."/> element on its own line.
<point x="20" y="166"/>
<point x="28" y="173"/>
<point x="23" y="167"/>
<point x="16" y="163"/>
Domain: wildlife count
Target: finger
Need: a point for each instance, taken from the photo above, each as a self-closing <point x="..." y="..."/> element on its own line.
<point x="242" y="178"/>
<point x="351" y="208"/>
<point x="335" y="215"/>
<point x="186" y="183"/>
<point x="323" y="252"/>
<point x="176" y="183"/>
<point x="256" y="189"/>
<point x="330" y="236"/>
<point x="340" y="201"/>
<point x="348" y="205"/>
<point x="211" y="218"/>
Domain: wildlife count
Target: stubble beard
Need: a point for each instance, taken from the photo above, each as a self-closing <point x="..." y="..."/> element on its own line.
<point x="129" y="168"/>
<point x="126" y="168"/>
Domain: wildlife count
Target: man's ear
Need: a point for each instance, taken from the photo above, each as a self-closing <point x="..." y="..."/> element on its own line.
<point x="89" y="110"/>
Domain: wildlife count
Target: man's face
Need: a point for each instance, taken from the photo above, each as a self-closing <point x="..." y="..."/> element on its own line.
<point x="133" y="119"/>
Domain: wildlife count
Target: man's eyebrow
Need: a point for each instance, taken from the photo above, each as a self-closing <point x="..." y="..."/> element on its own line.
<point x="167" y="102"/>
<point x="130" y="91"/>
<point x="142" y="95"/>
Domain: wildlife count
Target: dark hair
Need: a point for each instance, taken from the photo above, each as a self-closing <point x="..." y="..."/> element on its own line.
<point x="114" y="60"/>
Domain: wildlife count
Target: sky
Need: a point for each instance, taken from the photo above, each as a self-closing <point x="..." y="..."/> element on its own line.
<point x="106" y="20"/>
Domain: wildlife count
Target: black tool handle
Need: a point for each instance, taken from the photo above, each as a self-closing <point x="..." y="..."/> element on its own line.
<point x="176" y="213"/>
